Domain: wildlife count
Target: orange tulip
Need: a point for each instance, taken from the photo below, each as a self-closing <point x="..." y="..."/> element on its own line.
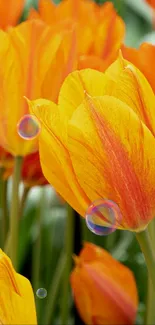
<point x="26" y="54"/>
<point x="143" y="59"/>
<point x="98" y="37"/>
<point x="16" y="296"/>
<point x="31" y="171"/>
<point x="104" y="290"/>
<point x="97" y="142"/>
<point x="10" y="12"/>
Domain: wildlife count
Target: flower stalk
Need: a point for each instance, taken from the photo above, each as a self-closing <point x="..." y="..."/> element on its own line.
<point x="3" y="206"/>
<point x="69" y="242"/>
<point x="14" y="212"/>
<point x="150" y="311"/>
<point x="145" y="244"/>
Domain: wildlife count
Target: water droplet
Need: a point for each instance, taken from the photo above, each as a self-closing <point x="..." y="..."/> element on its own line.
<point x="103" y="217"/>
<point x="28" y="127"/>
<point x="41" y="293"/>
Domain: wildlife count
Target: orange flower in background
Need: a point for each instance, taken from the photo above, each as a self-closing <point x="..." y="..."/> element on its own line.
<point x="104" y="290"/>
<point x="10" y="12"/>
<point x="6" y="163"/>
<point x="31" y="171"/>
<point x="16" y="296"/>
<point x="98" y="37"/>
<point x="97" y="142"/>
<point x="143" y="59"/>
<point x="151" y="3"/>
<point x="26" y="54"/>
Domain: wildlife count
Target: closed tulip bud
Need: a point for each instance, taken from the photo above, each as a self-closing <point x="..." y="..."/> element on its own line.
<point x="104" y="290"/>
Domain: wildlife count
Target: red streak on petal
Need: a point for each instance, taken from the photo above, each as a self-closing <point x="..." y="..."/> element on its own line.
<point x="120" y="172"/>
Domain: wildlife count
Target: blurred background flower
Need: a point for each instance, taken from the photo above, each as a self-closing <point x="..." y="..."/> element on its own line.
<point x="104" y="290"/>
<point x="31" y="171"/>
<point x="11" y="13"/>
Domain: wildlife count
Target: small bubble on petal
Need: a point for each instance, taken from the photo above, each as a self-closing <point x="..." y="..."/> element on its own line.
<point x="103" y="217"/>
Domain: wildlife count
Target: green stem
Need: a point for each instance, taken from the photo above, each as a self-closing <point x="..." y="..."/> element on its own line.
<point x="36" y="272"/>
<point x="21" y="209"/>
<point x="26" y="191"/>
<point x="37" y="254"/>
<point x="54" y="289"/>
<point x="5" y="210"/>
<point x="150" y="310"/>
<point x="36" y="261"/>
<point x="3" y="206"/>
<point x="146" y="247"/>
<point x="68" y="265"/>
<point x="84" y="230"/>
<point x="14" y="212"/>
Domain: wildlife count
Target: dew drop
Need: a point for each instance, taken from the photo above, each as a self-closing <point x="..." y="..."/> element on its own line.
<point x="28" y="127"/>
<point x="41" y="293"/>
<point x="103" y="217"/>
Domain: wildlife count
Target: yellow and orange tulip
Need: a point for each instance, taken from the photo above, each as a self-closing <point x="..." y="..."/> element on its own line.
<point x="10" y="12"/>
<point x="103" y="123"/>
<point x="16" y="296"/>
<point x="26" y="54"/>
<point x="104" y="290"/>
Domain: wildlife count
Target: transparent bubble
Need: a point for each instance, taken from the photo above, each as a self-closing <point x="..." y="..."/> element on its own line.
<point x="41" y="293"/>
<point x="28" y="127"/>
<point x="103" y="217"/>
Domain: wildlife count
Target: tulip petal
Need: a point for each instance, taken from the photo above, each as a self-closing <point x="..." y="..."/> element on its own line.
<point x="91" y="61"/>
<point x="143" y="59"/>
<point x="73" y="90"/>
<point x="55" y="160"/>
<point x="47" y="10"/>
<point x="10" y="83"/>
<point x="124" y="309"/>
<point x="10" y="13"/>
<point x="117" y="273"/>
<point x="112" y="162"/>
<point x="109" y="34"/>
<point x="26" y="55"/>
<point x="16" y="296"/>
<point x="64" y="62"/>
<point x="129" y="85"/>
<point x="36" y="46"/>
